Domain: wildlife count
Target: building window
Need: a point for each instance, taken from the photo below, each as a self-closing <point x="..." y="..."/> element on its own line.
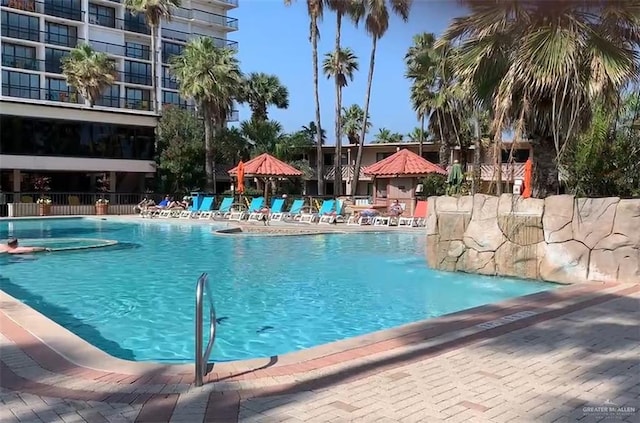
<point x="382" y="156"/>
<point x="17" y="56"/>
<point x="26" y="5"/>
<point x="58" y="90"/>
<point x="68" y="9"/>
<point x="137" y="50"/>
<point x="102" y="15"/>
<point x="168" y="79"/>
<point x="172" y="98"/>
<point x="61" y="35"/>
<point x="53" y="58"/>
<point x="432" y="156"/>
<point x="519" y="155"/>
<point x="169" y="50"/>
<point x="23" y="85"/>
<point x="110" y="97"/>
<point x="137" y="99"/>
<point x="24" y="27"/>
<point x="327" y="159"/>
<point x="135" y="23"/>
<point x="137" y="73"/>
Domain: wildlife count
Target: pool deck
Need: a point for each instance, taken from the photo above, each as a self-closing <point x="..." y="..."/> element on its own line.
<point x="545" y="357"/>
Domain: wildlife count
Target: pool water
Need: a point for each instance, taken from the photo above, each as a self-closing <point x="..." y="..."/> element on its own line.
<point x="273" y="295"/>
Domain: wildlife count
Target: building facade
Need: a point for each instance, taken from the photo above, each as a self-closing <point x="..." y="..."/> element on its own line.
<point x="47" y="129"/>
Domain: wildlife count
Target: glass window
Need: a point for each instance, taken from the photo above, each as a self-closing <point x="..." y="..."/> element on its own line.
<point x="137" y="50"/>
<point x="58" y="90"/>
<point x="173" y="98"/>
<point x="170" y="49"/>
<point x="135" y="23"/>
<point x="18" y="84"/>
<point x="16" y="25"/>
<point x="61" y="35"/>
<point x="137" y="72"/>
<point x="102" y="15"/>
<point x="382" y="156"/>
<point x="53" y="59"/>
<point x="168" y="79"/>
<point x="17" y="56"/>
<point x="519" y="155"/>
<point x="137" y="99"/>
<point x="68" y="9"/>
<point x="110" y="97"/>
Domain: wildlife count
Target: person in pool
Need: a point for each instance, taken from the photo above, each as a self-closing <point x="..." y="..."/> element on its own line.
<point x="12" y="247"/>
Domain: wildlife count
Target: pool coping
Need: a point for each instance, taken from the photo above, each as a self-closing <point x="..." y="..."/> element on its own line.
<point x="35" y="328"/>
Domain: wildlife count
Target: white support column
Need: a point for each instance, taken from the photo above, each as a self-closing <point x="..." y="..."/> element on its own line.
<point x="17" y="180"/>
<point x="112" y="181"/>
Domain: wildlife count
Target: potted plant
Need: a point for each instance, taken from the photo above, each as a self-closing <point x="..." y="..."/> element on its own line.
<point x="42" y="185"/>
<point x="102" y="204"/>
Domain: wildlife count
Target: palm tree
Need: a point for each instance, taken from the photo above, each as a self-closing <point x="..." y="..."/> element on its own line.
<point x="154" y="11"/>
<point x="417" y="135"/>
<point x="541" y="66"/>
<point x="88" y="71"/>
<point x="261" y="90"/>
<point x="315" y="10"/>
<point x="211" y="77"/>
<point x="386" y="136"/>
<point x="352" y="121"/>
<point x="312" y="131"/>
<point x="376" y="24"/>
<point x="341" y="66"/>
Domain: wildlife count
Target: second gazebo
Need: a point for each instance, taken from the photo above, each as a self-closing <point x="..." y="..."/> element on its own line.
<point x="266" y="167"/>
<point x="397" y="176"/>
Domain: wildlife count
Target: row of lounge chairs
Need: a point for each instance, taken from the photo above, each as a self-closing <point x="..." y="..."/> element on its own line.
<point x="330" y="212"/>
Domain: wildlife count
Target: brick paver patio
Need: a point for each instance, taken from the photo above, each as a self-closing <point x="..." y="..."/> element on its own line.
<point x="544" y="363"/>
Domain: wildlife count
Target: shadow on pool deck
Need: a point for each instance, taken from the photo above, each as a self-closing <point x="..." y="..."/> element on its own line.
<point x="64" y="318"/>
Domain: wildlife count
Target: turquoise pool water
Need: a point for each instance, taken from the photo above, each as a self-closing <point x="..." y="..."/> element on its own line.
<point x="273" y="295"/>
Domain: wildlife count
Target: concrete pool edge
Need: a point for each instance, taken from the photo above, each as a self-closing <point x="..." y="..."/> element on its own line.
<point x="27" y="328"/>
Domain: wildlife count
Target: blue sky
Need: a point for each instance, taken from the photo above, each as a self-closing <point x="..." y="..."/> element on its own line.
<point x="274" y="39"/>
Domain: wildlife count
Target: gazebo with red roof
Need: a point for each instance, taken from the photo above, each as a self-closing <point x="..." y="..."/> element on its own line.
<point x="397" y="176"/>
<point x="267" y="167"/>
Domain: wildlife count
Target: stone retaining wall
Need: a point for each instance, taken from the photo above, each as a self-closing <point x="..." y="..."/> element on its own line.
<point x="559" y="239"/>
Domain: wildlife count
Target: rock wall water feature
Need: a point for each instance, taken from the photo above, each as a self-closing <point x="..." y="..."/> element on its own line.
<point x="559" y="239"/>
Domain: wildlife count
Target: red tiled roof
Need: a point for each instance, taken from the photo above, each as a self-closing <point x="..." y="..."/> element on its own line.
<point x="267" y="165"/>
<point x="404" y="162"/>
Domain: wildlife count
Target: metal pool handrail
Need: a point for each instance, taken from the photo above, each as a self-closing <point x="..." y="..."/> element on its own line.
<point x="202" y="359"/>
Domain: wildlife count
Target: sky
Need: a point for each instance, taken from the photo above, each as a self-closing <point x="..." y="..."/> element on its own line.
<point x="274" y="39"/>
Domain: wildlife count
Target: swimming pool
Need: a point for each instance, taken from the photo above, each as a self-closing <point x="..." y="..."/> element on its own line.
<point x="273" y="295"/>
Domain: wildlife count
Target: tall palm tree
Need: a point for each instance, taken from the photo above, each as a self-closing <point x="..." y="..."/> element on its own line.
<point x="385" y="136"/>
<point x="88" y="71"/>
<point x="261" y="90"/>
<point x="376" y="24"/>
<point x="352" y="122"/>
<point x="540" y="66"/>
<point x="312" y="132"/>
<point x="154" y="11"/>
<point x="417" y="135"/>
<point x="211" y="77"/>
<point x="315" y="10"/>
<point x="341" y="66"/>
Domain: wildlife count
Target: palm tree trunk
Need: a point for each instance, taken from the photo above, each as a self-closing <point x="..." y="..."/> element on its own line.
<point x="337" y="161"/>
<point x="316" y="94"/>
<point x="443" y="152"/>
<point x="367" y="98"/>
<point x="208" y="148"/>
<point x="497" y="157"/>
<point x="421" y="145"/>
<point x="154" y="70"/>
<point x="545" y="173"/>
<point x="477" y="157"/>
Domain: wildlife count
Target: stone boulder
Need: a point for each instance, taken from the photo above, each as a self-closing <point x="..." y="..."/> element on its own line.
<point x="557" y="217"/>
<point x="483" y="233"/>
<point x="563" y="262"/>
<point x="517" y="260"/>
<point x="473" y="261"/>
<point x="593" y="219"/>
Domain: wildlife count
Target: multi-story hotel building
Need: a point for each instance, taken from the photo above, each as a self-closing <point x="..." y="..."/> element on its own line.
<point x="47" y="129"/>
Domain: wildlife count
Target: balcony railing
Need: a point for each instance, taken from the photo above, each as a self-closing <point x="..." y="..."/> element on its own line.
<point x="173" y="35"/>
<point x="21" y="33"/>
<point x="47" y="8"/>
<point x="50" y="66"/>
<point x="208" y="17"/>
<point x="169" y="83"/>
<point x="37" y="93"/>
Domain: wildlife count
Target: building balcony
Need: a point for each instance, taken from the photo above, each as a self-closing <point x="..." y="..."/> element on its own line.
<point x="227" y="4"/>
<point x="50" y="8"/>
<point x="22" y="33"/>
<point x="227" y="23"/>
<point x="183" y="37"/>
<point x="37" y="93"/>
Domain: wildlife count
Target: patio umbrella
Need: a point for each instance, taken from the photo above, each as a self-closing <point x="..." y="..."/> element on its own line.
<point x="528" y="178"/>
<point x="240" y="177"/>
<point x="455" y="179"/>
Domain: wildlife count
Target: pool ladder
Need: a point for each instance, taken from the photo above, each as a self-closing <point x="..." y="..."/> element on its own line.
<point x="202" y="358"/>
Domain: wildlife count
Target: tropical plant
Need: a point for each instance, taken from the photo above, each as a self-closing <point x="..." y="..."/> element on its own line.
<point x="417" y="135"/>
<point x="386" y="136"/>
<point x="154" y="11"/>
<point x="232" y="146"/>
<point x="315" y="10"/>
<point x="376" y="18"/>
<point x="541" y="66"/>
<point x="312" y="131"/>
<point x="211" y="77"/>
<point x="261" y="90"/>
<point x="341" y="66"/>
<point x="42" y="184"/>
<point x="263" y="136"/>
<point x="352" y="121"/>
<point x="88" y="71"/>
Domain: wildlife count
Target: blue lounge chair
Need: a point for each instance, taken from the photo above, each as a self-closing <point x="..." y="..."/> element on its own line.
<point x="277" y="206"/>
<point x="225" y="207"/>
<point x="204" y="211"/>
<point x="294" y="211"/>
<point x="327" y="207"/>
<point x="336" y="217"/>
<point x="256" y="204"/>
